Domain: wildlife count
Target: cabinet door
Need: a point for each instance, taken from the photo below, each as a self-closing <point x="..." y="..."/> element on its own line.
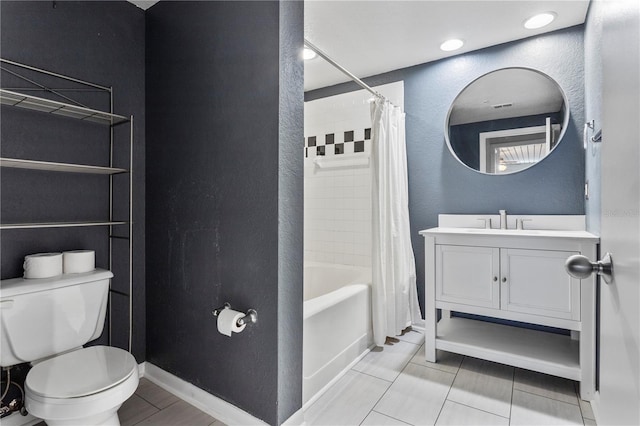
<point x="535" y="282"/>
<point x="468" y="275"/>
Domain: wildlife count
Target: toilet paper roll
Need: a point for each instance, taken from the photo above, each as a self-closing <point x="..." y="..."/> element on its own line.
<point x="78" y="261"/>
<point x="228" y="322"/>
<point x="42" y="265"/>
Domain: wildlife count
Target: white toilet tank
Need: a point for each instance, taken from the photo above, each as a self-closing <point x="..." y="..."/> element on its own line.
<point x="44" y="317"/>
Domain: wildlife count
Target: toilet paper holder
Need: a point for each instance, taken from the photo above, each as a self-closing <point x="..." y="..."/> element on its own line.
<point x="251" y="316"/>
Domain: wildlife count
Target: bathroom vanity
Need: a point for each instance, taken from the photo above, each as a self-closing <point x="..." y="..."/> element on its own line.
<point x="512" y="275"/>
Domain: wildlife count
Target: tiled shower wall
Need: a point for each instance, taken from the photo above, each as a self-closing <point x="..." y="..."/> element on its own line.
<point x="337" y="196"/>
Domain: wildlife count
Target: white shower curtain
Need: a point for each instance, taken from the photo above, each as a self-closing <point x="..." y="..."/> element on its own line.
<point x="394" y="296"/>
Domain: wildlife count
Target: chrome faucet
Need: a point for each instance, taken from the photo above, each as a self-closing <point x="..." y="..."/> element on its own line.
<point x="503" y="219"/>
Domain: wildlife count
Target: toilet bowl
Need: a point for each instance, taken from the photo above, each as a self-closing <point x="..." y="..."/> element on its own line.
<point x="44" y="322"/>
<point x="81" y="388"/>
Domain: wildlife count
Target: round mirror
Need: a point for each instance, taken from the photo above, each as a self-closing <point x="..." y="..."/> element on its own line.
<point x="506" y="121"/>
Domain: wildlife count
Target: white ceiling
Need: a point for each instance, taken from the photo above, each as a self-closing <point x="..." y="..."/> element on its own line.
<point x="500" y="95"/>
<point x="373" y="37"/>
<point x="370" y="37"/>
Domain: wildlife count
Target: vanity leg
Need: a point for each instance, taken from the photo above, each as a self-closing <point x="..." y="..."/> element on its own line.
<point x="431" y="312"/>
<point x="430" y="336"/>
<point x="430" y="353"/>
<point x="587" y="335"/>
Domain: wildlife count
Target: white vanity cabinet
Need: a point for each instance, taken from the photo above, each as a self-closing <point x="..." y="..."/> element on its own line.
<point x="513" y="275"/>
<point x="518" y="280"/>
<point x="468" y="275"/>
<point x="535" y="282"/>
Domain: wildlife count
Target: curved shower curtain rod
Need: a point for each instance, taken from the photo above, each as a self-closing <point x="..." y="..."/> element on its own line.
<point x="342" y="69"/>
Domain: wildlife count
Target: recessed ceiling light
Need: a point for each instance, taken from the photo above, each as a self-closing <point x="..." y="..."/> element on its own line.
<point x="540" y="20"/>
<point x="453" y="44"/>
<point x="308" y="54"/>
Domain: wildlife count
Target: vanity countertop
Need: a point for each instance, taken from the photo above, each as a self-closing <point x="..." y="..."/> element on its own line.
<point x="516" y="233"/>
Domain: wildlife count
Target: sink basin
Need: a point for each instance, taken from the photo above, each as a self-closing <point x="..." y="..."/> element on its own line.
<point x="499" y="231"/>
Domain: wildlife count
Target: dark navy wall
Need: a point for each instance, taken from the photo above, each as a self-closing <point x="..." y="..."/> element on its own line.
<point x="101" y="42"/>
<point x="438" y="183"/>
<point x="224" y="197"/>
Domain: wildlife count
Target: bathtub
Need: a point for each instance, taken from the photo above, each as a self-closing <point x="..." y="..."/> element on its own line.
<point x="337" y="322"/>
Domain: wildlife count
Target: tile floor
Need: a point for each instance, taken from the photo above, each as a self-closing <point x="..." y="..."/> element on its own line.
<point x="396" y="386"/>
<point x="151" y="405"/>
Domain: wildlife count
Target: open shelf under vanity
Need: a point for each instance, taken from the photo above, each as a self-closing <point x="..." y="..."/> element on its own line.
<point x="542" y="351"/>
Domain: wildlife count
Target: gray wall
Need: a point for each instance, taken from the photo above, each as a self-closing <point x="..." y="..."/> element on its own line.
<point x="592" y="107"/>
<point x="438" y="183"/>
<point x="102" y="42"/>
<point x="224" y="197"/>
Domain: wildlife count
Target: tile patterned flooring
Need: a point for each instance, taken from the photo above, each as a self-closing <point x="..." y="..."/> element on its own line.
<point x="396" y="386"/>
<point x="151" y="405"/>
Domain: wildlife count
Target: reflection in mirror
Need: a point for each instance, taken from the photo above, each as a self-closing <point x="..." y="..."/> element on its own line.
<point x="506" y="121"/>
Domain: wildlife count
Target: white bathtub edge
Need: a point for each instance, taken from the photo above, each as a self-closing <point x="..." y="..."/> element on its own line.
<point x="318" y="304"/>
<point x="338" y="376"/>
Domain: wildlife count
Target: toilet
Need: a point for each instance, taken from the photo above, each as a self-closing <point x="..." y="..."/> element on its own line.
<point x="45" y="322"/>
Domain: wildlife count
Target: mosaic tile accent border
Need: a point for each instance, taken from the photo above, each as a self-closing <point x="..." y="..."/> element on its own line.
<point x="345" y="143"/>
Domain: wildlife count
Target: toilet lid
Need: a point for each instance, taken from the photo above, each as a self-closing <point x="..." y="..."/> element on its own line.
<point x="81" y="373"/>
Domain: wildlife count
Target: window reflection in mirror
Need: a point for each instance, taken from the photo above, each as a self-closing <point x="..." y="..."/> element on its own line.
<point x="506" y="121"/>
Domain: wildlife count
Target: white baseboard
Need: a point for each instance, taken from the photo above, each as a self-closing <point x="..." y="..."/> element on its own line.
<point x="210" y="404"/>
<point x="296" y="419"/>
<point x="141" y="369"/>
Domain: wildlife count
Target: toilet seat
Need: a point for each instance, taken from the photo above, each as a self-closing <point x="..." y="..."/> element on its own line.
<point x="80" y="373"/>
<point x="56" y="391"/>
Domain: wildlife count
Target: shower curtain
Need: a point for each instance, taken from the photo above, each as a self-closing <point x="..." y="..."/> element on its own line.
<point x="394" y="296"/>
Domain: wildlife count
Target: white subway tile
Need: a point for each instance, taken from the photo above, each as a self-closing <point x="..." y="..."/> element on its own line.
<point x="361" y="249"/>
<point x="325" y="257"/>
<point x="348" y="148"/>
<point x="363" y="260"/>
<point x="348" y="259"/>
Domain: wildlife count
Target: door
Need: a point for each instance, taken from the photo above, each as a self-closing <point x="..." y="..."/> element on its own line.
<point x="619" y="399"/>
<point x="468" y="275"/>
<point x="535" y="282"/>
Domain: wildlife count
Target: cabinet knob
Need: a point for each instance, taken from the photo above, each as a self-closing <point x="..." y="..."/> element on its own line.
<point x="495" y="279"/>
<point x="504" y="279"/>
